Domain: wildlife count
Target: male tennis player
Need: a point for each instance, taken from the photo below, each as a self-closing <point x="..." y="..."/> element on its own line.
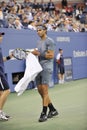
<point x="45" y="54"/>
<point x="4" y="87"/>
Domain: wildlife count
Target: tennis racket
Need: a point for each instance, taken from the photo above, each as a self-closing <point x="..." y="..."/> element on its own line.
<point x="20" y="53"/>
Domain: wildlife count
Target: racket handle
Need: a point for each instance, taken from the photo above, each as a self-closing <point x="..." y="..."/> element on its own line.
<point x="8" y="58"/>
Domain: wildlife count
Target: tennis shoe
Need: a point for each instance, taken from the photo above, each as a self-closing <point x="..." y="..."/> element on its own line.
<point x="3" y="117"/>
<point x="52" y="114"/>
<point x="7" y="116"/>
<point x="43" y="117"/>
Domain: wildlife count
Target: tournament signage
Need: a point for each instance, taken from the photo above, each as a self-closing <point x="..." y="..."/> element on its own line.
<point x="77" y="53"/>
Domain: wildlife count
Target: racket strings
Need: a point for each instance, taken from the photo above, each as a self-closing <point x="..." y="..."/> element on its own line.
<point x="20" y="54"/>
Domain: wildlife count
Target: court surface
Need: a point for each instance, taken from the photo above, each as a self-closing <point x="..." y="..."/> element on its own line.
<point x="70" y="99"/>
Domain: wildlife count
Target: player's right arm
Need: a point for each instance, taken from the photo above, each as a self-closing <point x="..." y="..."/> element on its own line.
<point x="58" y="58"/>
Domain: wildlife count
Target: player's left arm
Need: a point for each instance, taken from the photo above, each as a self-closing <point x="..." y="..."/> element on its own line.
<point x="50" y="51"/>
<point x="49" y="54"/>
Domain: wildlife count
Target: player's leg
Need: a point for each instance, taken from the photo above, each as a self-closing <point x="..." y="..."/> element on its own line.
<point x="43" y="90"/>
<point x="3" y="98"/>
<point x="40" y="90"/>
<point x="4" y="92"/>
<point x="46" y="99"/>
<point x="47" y="78"/>
<point x="40" y="86"/>
<point x="47" y="103"/>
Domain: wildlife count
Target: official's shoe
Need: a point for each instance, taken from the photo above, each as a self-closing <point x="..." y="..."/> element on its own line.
<point x="52" y="114"/>
<point x="42" y="118"/>
<point x="3" y="117"/>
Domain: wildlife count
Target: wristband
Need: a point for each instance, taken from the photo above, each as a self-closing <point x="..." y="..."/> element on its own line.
<point x="8" y="58"/>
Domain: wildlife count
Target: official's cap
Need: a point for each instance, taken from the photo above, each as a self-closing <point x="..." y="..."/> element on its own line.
<point x="60" y="49"/>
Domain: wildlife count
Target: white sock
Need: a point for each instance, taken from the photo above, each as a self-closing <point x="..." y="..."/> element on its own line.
<point x="59" y="81"/>
<point x="63" y="81"/>
<point x="0" y="111"/>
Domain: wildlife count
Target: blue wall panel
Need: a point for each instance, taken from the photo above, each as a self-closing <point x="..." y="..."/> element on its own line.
<point x="73" y="44"/>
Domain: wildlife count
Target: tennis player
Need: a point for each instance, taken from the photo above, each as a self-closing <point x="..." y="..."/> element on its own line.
<point x="45" y="52"/>
<point x="4" y="86"/>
